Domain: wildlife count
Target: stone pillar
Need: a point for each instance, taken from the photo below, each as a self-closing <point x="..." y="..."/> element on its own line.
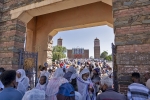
<point x="132" y="28"/>
<point x="12" y="36"/>
<point x="11" y="40"/>
<point x="49" y="51"/>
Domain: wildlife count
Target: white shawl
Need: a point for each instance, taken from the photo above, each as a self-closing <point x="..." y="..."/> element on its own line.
<point x="34" y="94"/>
<point x="83" y="85"/>
<point x="54" y="83"/>
<point x="23" y="81"/>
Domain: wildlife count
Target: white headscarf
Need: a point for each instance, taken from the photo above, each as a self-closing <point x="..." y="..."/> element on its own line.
<point x="45" y="73"/>
<point x="42" y="87"/>
<point x="58" y="73"/>
<point x="34" y="94"/>
<point x="23" y="81"/>
<point x="23" y="75"/>
<point x="72" y="69"/>
<point x="83" y="85"/>
<point x="54" y="83"/>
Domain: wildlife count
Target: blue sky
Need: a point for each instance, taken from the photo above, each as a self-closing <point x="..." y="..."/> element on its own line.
<point x="84" y="38"/>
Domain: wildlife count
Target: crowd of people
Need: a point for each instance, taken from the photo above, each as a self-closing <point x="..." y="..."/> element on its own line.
<point x="70" y="80"/>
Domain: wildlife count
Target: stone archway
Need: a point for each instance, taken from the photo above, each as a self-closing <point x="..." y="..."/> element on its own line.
<point x="131" y="27"/>
<point x="49" y="25"/>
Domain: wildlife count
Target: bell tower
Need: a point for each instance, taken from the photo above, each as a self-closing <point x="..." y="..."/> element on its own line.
<point x="96" y="48"/>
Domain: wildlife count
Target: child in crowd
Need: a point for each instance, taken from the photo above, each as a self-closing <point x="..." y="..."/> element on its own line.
<point x="42" y="83"/>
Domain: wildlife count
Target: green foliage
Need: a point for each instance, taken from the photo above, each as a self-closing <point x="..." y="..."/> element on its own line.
<point x="109" y="58"/>
<point x="105" y="56"/>
<point x="59" y="52"/>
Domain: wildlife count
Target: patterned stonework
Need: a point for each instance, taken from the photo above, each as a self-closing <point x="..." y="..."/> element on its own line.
<point x="49" y="53"/>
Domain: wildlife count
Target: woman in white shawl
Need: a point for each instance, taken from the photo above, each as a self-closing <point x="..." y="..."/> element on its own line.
<point x="85" y="86"/>
<point x="54" y="83"/>
<point x="22" y="80"/>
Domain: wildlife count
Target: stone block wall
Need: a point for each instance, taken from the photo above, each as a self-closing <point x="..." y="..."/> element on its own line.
<point x="132" y="37"/>
<point x="12" y="33"/>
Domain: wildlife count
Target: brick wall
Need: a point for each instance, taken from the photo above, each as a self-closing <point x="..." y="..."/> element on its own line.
<point x="12" y="33"/>
<point x="132" y="27"/>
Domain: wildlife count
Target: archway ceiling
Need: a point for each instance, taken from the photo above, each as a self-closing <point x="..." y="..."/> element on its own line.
<point x="55" y="31"/>
<point x="26" y="13"/>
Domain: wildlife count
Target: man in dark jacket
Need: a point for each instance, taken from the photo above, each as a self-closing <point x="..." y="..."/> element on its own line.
<point x="109" y="93"/>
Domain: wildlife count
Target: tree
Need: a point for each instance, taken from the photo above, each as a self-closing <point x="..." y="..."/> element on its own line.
<point x="109" y="58"/>
<point x="104" y="54"/>
<point x="59" y="52"/>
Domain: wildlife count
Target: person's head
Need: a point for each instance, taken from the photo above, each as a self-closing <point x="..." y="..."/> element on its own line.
<point x="148" y="84"/>
<point x="41" y="68"/>
<point x="106" y="83"/>
<point x="71" y="69"/>
<point x="20" y="73"/>
<point x="96" y="64"/>
<point x="85" y="74"/>
<point x="59" y="73"/>
<point x="45" y="68"/>
<point x="103" y="71"/>
<point x="147" y="76"/>
<point x="66" y="92"/>
<point x="135" y="77"/>
<point x="8" y="78"/>
<point x="96" y="71"/>
<point x="109" y="68"/>
<point x="1" y="70"/>
<point x="43" y="80"/>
